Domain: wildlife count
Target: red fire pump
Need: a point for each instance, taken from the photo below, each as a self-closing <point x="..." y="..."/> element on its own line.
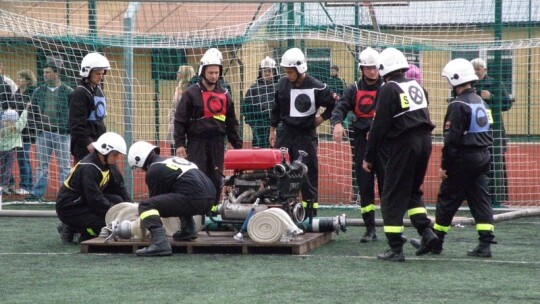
<point x="264" y="175"/>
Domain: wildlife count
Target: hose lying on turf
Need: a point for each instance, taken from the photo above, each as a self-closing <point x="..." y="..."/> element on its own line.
<point x="271" y="226"/>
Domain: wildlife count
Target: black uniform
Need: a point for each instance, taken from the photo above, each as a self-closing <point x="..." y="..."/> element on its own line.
<point x="498" y="177"/>
<point x="256" y="110"/>
<point x="177" y="188"/>
<point x="403" y="123"/>
<point x="466" y="159"/>
<point x="87" y="109"/>
<point x="360" y="99"/>
<point x="297" y="107"/>
<point x="87" y="194"/>
<point x="203" y="118"/>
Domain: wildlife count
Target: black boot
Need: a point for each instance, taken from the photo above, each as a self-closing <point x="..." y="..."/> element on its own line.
<point x="160" y="245"/>
<point x="369" y="220"/>
<point x="438" y="247"/>
<point x="66" y="234"/>
<point x="483" y="250"/>
<point x="187" y="230"/>
<point x="369" y="236"/>
<point x="392" y="255"/>
<point x="429" y="239"/>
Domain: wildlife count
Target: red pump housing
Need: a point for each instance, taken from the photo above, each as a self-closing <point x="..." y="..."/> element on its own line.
<point x="253" y="159"/>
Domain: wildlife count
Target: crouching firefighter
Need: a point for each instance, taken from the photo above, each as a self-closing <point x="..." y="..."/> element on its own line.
<point x="177" y="188"/>
<point x="93" y="186"/>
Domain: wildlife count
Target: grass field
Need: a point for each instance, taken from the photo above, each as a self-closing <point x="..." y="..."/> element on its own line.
<point x="37" y="268"/>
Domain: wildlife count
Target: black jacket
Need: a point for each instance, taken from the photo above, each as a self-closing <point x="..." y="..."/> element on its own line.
<point x="86" y="184"/>
<point x="62" y="105"/>
<point x="258" y="102"/>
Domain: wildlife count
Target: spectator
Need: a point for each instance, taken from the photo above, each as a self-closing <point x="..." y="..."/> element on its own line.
<point x="91" y="189"/>
<point x="402" y="122"/>
<point x="494" y="93"/>
<point x="51" y="115"/>
<point x="177" y="188"/>
<point x="184" y="75"/>
<point x="88" y="106"/>
<point x="336" y="83"/>
<point x="259" y="101"/>
<point x="26" y="85"/>
<point x="414" y="72"/>
<point x="10" y="138"/>
<point x="298" y="98"/>
<point x="205" y="115"/>
<point x="7" y="86"/>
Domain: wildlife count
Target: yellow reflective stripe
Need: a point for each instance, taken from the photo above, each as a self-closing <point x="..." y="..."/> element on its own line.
<point x="418" y="210"/>
<point x="214" y="208"/>
<point x="393" y="229"/>
<point x="485" y="227"/>
<point x="148" y="213"/>
<point x="367" y="209"/>
<point x="305" y="204"/>
<point x="441" y="228"/>
<point x="91" y="232"/>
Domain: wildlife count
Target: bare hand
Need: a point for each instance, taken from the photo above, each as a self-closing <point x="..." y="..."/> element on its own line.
<point x="181" y="152"/>
<point x="485" y="95"/>
<point x="318" y="121"/>
<point x="367" y="166"/>
<point x="442" y="173"/>
<point x="338" y="133"/>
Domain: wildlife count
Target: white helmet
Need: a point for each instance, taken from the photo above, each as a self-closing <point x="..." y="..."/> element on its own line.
<point x="294" y="58"/>
<point x="391" y="60"/>
<point x="93" y="61"/>
<point x="139" y="152"/>
<point x="268" y="63"/>
<point x="211" y="57"/>
<point x="368" y="57"/>
<point x="110" y="141"/>
<point x="459" y="71"/>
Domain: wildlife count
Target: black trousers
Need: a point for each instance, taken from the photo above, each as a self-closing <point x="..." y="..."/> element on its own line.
<point x="309" y="144"/>
<point x="173" y="205"/>
<point x="208" y="154"/>
<point x="86" y="221"/>
<point x="408" y="157"/>
<point x="467" y="180"/>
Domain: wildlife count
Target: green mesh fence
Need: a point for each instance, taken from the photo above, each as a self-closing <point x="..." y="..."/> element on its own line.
<point x="147" y="43"/>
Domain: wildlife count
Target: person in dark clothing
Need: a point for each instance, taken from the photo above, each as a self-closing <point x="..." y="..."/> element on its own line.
<point x="495" y="95"/>
<point x="336" y="83"/>
<point x="205" y="115"/>
<point x="222" y="82"/>
<point x="177" y="188"/>
<point x="465" y="159"/>
<point x="259" y="101"/>
<point x="93" y="186"/>
<point x="88" y="106"/>
<point x="298" y="98"/>
<point x="360" y="99"/>
<point x="403" y="123"/>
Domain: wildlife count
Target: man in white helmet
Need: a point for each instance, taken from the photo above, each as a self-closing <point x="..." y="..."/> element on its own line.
<point x="205" y="116"/>
<point x="222" y="82"/>
<point x="91" y="189"/>
<point x="298" y="98"/>
<point x="360" y="99"/>
<point x="177" y="189"/>
<point x="403" y="124"/>
<point x="88" y="106"/>
<point x="466" y="159"/>
<point x="259" y="101"/>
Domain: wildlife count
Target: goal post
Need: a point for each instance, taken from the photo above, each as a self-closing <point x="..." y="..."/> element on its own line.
<point x="147" y="43"/>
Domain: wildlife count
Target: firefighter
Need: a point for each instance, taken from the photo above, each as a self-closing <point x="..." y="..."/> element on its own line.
<point x="93" y="186"/>
<point x="360" y="99"/>
<point x="298" y="98"/>
<point x="177" y="188"/>
<point x="465" y="159"/>
<point x="402" y="122"/>
<point x="204" y="117"/>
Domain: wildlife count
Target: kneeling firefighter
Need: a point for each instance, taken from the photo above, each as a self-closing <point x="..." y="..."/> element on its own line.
<point x="177" y="188"/>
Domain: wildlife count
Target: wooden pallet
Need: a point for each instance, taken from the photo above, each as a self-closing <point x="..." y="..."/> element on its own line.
<point x="215" y="242"/>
